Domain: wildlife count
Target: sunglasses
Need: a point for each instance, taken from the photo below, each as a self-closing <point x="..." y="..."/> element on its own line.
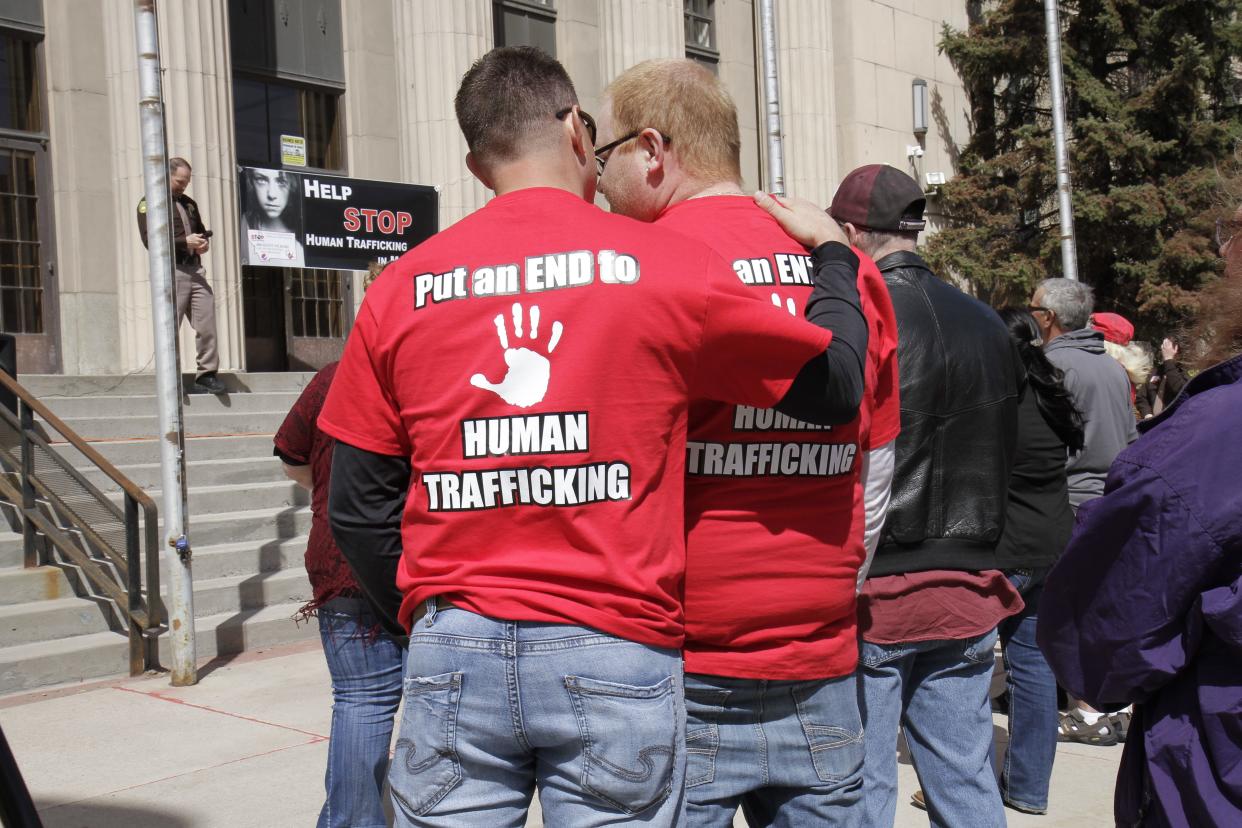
<point x="587" y="120"/>
<point x="602" y="154"/>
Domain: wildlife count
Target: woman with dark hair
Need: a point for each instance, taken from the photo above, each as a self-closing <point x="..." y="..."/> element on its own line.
<point x="1038" y="522"/>
<point x="271" y="210"/>
<point x="1145" y="606"/>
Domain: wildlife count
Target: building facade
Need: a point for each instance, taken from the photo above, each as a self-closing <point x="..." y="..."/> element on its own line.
<point x="368" y="85"/>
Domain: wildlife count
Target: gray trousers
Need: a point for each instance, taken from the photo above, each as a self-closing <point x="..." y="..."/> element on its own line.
<point x="196" y="300"/>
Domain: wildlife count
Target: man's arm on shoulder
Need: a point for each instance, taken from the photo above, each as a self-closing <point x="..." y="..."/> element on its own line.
<point x="366" y="498"/>
<point x="829" y="388"/>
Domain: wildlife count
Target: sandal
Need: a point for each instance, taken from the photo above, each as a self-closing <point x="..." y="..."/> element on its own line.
<point x="918" y="801"/>
<point x="1120" y="722"/>
<point x="1074" y="728"/>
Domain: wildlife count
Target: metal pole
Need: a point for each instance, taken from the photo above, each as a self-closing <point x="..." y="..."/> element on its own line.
<point x="771" y="97"/>
<point x="1069" y="255"/>
<point x="167" y="371"/>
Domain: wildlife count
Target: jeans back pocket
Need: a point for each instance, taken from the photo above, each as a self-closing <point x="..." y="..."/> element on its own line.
<point x="629" y="740"/>
<point x="426" y="767"/>
<point x="832" y="725"/>
<point x="703" y="708"/>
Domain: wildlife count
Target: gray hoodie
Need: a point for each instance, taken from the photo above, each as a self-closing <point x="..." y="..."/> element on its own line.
<point x="1101" y="390"/>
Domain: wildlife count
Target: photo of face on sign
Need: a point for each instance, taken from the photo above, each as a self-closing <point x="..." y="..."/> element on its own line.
<point x="272" y="218"/>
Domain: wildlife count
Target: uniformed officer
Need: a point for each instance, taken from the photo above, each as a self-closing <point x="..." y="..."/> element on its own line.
<point x="194" y="295"/>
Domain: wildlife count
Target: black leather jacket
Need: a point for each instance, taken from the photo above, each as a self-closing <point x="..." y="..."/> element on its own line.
<point x="961" y="379"/>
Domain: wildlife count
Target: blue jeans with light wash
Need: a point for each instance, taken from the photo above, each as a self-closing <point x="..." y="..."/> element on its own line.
<point x="494" y="709"/>
<point x="937" y="692"/>
<point x="365" y="666"/>
<point x="1032" y="702"/>
<point x="788" y="753"/>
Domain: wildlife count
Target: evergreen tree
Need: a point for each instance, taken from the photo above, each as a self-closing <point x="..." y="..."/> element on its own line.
<point x="1152" y="106"/>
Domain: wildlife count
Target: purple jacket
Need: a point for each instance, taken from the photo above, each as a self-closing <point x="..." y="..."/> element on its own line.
<point x="1144" y="608"/>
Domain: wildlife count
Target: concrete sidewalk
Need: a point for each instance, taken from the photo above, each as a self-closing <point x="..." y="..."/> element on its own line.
<point x="248" y="744"/>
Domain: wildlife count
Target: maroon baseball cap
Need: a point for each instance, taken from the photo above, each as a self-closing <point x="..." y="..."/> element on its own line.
<point x="879" y="197"/>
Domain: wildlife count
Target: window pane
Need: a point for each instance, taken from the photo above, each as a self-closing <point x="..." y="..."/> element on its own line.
<point x="250" y="116"/>
<point x="283" y="118"/>
<point x="6" y="172"/>
<point x="10" y="311"/>
<point x="24" y="173"/>
<point x="27" y="218"/>
<point x="322" y="309"/>
<point x="8" y="218"/>
<point x="320" y="125"/>
<point x="19" y="93"/>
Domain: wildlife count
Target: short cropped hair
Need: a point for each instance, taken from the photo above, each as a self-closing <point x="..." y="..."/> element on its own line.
<point x="687" y="104"/>
<point x="1071" y="301"/>
<point x="178" y="163"/>
<point x="508" y="95"/>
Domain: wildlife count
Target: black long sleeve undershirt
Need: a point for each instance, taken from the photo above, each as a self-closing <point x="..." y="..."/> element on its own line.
<point x="366" y="497"/>
<point x="829" y="388"/>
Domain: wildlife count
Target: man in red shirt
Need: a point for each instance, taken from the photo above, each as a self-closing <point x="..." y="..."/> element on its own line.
<point x="510" y="414"/>
<point x="774" y="505"/>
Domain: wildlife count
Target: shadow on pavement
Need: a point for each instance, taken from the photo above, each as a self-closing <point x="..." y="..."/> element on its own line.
<point x="95" y="814"/>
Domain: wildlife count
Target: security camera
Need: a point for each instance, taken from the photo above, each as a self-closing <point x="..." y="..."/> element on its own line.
<point x="914" y="151"/>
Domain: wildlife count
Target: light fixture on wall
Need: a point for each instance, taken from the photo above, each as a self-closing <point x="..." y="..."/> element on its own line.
<point x="918" y="89"/>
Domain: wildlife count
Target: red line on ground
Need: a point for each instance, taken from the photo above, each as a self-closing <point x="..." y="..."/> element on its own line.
<point x="317" y="736"/>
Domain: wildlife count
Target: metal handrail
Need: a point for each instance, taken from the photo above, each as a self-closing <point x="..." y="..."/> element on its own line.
<point x="146" y="616"/>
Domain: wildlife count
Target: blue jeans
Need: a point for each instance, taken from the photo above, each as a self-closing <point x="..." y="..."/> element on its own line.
<point x="494" y="708"/>
<point x="789" y="753"/>
<point x="1032" y="702"/>
<point x="365" y="666"/>
<point x="937" y="692"/>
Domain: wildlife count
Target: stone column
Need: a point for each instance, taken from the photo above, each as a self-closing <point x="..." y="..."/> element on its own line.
<point x="371" y="138"/>
<point x="638" y="30"/>
<point x="437" y="41"/>
<point x="198" y="106"/>
<point x="808" y="103"/>
<point x="90" y="224"/>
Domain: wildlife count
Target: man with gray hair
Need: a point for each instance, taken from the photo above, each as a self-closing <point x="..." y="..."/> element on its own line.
<point x="1097" y="382"/>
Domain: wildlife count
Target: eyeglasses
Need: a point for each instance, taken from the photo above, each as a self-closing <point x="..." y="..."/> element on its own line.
<point x="587" y="120"/>
<point x="1226" y="229"/>
<point x="1033" y="308"/>
<point x="603" y="153"/>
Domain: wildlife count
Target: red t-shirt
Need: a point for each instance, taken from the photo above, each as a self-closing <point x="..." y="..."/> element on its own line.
<point x="534" y="361"/>
<point x="774" y="507"/>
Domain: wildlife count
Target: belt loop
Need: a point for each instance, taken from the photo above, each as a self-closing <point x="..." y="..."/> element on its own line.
<point x="431" y="611"/>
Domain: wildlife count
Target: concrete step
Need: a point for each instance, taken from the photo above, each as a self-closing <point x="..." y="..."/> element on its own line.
<point x="66" y="385"/>
<point x="30" y="666"/>
<point x="146" y="406"/>
<point x="51" y="619"/>
<point x="247" y="558"/>
<point x="196" y="425"/>
<point x="134" y="452"/>
<point x="236" y="593"/>
<point x="43" y="583"/>
<point x="232" y="471"/>
<point x="210" y="500"/>
<point x="10" y="550"/>
<point x="261" y="525"/>
<point x="256" y="528"/>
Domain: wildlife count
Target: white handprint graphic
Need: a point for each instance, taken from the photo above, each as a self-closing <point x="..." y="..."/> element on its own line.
<point x="526" y="381"/>
<point x="790" y="305"/>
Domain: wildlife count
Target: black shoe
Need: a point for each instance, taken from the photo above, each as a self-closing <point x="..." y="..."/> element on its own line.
<point x="211" y="384"/>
